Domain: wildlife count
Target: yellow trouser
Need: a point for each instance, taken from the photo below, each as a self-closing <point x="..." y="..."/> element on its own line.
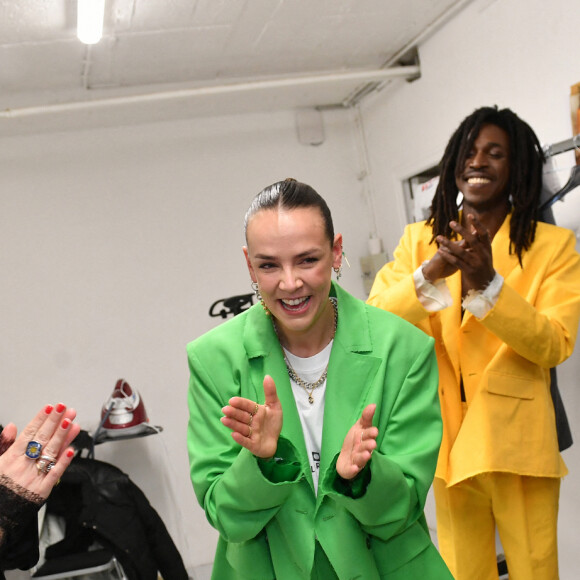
<point x="525" y="510"/>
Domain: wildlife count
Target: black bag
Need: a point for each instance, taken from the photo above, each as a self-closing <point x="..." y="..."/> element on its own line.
<point x="562" y="425"/>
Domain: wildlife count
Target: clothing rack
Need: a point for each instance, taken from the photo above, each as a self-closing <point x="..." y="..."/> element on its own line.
<point x="574" y="181"/>
<point x="562" y="146"/>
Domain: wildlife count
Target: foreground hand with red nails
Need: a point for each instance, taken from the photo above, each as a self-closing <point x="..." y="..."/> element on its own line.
<point x="32" y="463"/>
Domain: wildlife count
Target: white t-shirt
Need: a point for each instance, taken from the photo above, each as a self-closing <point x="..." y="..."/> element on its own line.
<point x="311" y="415"/>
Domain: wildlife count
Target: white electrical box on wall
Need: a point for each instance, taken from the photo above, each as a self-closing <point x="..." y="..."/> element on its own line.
<point x="369" y="266"/>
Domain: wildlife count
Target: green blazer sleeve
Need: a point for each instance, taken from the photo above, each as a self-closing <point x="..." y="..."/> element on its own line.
<point x="237" y="497"/>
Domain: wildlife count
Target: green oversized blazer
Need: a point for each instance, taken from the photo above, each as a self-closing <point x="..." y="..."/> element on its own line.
<point x="267" y="514"/>
<point x="504" y="358"/>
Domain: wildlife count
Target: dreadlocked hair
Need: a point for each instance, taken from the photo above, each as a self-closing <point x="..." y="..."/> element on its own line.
<point x="524" y="186"/>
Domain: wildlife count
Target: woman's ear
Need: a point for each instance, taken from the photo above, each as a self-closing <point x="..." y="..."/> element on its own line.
<point x="337" y="251"/>
<point x="249" y="264"/>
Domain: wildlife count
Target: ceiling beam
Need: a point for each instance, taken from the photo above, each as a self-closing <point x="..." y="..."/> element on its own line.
<point x="231" y="88"/>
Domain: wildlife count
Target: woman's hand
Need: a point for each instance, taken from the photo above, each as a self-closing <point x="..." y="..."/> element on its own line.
<point x="256" y="427"/>
<point x="358" y="446"/>
<point x="53" y="429"/>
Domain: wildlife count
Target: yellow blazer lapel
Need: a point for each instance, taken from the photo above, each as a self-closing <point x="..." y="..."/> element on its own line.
<point x="451" y="319"/>
<point x="503" y="261"/>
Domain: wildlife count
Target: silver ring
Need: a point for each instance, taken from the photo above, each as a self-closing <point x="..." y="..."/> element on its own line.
<point x="44" y="466"/>
<point x="45" y="463"/>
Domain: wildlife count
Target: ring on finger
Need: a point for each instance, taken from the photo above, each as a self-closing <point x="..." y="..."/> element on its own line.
<point x="250" y="433"/>
<point x="47" y="457"/>
<point x="45" y="463"/>
<point x="44" y="467"/>
<point x="255" y="409"/>
<point x="251" y="419"/>
<point x="361" y="436"/>
<point x="33" y="450"/>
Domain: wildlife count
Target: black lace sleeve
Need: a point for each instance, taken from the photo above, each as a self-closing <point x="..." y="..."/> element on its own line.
<point x="18" y="527"/>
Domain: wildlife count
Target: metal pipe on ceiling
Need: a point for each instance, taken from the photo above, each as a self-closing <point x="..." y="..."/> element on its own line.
<point x="367" y="76"/>
<point x="365" y="90"/>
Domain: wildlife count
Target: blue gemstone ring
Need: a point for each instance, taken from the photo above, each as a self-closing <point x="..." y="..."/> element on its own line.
<point x="33" y="450"/>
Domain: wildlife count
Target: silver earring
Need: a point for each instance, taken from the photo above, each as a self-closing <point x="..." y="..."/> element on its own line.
<point x="256" y="290"/>
<point x="338" y="272"/>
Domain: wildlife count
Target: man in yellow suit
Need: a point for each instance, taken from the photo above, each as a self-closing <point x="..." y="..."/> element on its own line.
<point x="500" y="293"/>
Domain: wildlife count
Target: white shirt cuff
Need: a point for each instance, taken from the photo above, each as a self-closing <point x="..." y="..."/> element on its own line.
<point x="479" y="303"/>
<point x="432" y="296"/>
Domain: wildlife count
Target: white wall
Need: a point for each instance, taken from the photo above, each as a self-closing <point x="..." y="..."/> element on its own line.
<point x="114" y="244"/>
<point x="521" y="54"/>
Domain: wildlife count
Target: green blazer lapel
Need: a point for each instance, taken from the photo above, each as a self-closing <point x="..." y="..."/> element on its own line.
<point x="265" y="358"/>
<point x="350" y="375"/>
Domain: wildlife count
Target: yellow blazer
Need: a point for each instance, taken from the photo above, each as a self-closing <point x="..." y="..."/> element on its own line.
<point x="504" y="358"/>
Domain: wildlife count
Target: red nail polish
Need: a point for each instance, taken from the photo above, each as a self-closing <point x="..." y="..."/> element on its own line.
<point x="60" y="408"/>
<point x="48" y="409"/>
<point x="70" y="453"/>
<point x="65" y="424"/>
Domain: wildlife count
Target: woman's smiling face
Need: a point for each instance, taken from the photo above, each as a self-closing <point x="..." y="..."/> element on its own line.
<point x="291" y="258"/>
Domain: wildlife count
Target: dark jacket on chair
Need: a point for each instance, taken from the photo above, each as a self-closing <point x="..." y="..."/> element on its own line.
<point x="99" y="502"/>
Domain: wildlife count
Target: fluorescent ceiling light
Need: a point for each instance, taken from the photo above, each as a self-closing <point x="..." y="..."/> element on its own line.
<point x="90" y="15"/>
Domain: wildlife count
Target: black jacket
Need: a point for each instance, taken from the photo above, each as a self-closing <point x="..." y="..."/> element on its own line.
<point x="19" y="538"/>
<point x="99" y="502"/>
<point x="19" y="548"/>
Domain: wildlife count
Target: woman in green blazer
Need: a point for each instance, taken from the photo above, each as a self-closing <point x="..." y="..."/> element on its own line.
<point x="314" y="418"/>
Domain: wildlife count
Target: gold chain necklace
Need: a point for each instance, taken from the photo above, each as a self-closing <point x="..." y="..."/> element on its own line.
<point x="309" y="387"/>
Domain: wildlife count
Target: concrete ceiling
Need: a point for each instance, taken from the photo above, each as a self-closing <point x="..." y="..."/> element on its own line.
<point x="170" y="59"/>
